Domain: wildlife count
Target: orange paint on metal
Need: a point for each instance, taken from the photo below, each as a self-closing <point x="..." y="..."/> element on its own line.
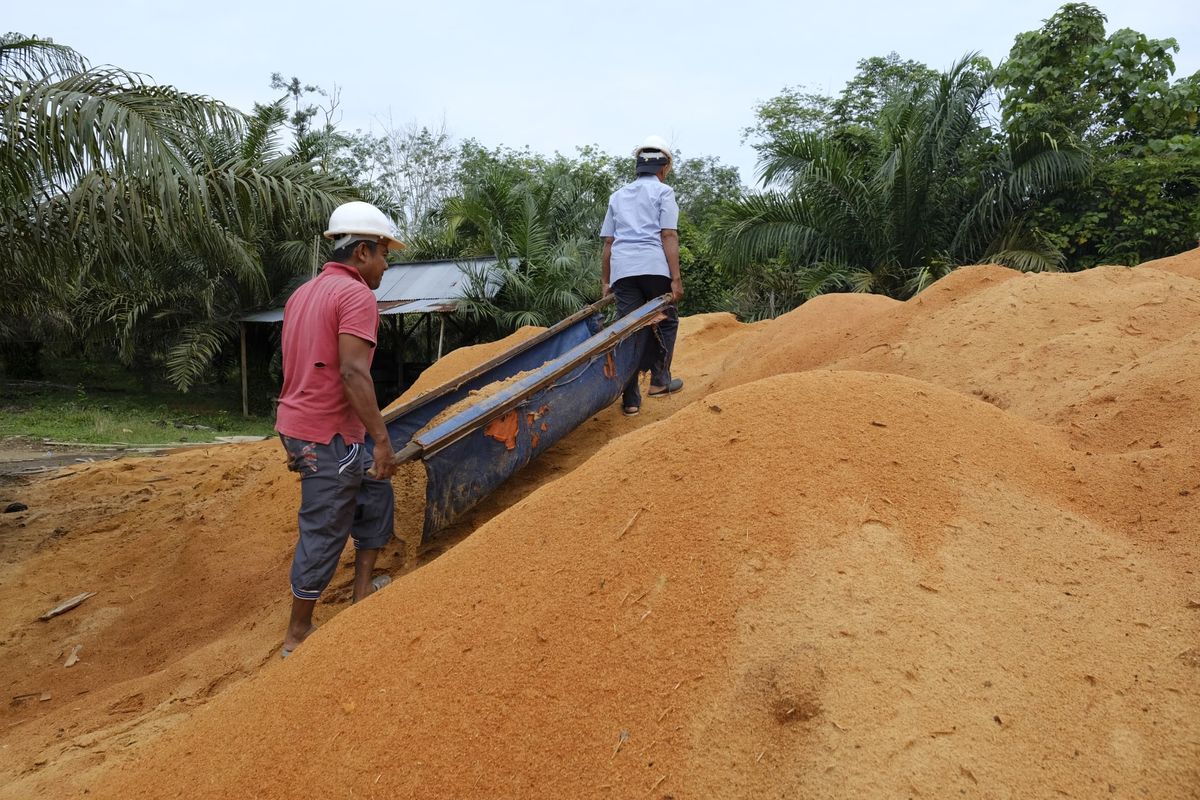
<point x="504" y="429"/>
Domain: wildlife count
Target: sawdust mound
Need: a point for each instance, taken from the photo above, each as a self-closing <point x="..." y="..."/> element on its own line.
<point x="1047" y="347"/>
<point x="874" y="549"/>
<point x="188" y="555"/>
<point x="1185" y="264"/>
<point x="811" y="335"/>
<point x="458" y="362"/>
<point x="181" y="551"/>
<point x="868" y="580"/>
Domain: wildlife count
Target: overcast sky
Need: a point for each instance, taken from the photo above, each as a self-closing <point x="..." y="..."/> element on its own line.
<point x="555" y="76"/>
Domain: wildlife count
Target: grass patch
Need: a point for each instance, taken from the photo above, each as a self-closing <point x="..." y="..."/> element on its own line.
<point x="74" y="415"/>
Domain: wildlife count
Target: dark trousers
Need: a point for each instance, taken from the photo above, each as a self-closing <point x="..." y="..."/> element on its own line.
<point x="337" y="500"/>
<point x="632" y="293"/>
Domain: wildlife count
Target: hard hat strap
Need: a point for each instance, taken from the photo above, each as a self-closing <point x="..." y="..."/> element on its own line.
<point x="351" y="238"/>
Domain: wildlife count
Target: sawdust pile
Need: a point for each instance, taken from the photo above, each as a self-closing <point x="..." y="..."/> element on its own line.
<point x="459" y="361"/>
<point x="874" y="549"/>
<point x="1069" y="350"/>
<point x="473" y="397"/>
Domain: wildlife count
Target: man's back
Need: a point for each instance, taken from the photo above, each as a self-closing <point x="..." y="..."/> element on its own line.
<point x="312" y="405"/>
<point x="637" y="215"/>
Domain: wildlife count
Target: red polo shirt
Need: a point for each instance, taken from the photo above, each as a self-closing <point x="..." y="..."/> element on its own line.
<point x="313" y="405"/>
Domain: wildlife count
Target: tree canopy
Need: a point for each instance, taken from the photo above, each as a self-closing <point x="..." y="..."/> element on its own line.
<point x="935" y="188"/>
<point x="1114" y="93"/>
<point x="144" y="212"/>
<point x="142" y="221"/>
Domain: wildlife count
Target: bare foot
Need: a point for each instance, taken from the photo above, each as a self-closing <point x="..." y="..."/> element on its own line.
<point x="292" y="641"/>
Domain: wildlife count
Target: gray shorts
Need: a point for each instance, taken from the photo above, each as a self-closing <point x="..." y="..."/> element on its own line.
<point x="337" y="500"/>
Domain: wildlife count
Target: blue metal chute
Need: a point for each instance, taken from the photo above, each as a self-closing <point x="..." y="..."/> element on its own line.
<point x="470" y="454"/>
<point x="411" y="417"/>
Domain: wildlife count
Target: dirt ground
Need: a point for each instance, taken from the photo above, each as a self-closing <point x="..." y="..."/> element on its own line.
<point x="20" y="457"/>
<point x="873" y="549"/>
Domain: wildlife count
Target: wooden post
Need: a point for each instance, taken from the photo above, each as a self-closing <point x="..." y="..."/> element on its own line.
<point x="405" y="333"/>
<point x="429" y="336"/>
<point x="441" y="336"/>
<point x="245" y="381"/>
<point x="398" y="348"/>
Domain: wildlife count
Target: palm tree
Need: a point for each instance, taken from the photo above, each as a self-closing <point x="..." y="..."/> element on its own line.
<point x="147" y="212"/>
<point x="542" y="228"/>
<point x="72" y="138"/>
<point x="938" y="190"/>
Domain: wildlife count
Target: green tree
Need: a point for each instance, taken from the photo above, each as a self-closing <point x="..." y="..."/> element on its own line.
<point x="408" y="170"/>
<point x="313" y="123"/>
<point x="69" y="136"/>
<point x="939" y="189"/>
<point x="878" y="82"/>
<point x="792" y="112"/>
<point x="1069" y="80"/>
<point x="542" y="226"/>
<point x="1136" y="208"/>
<point x="128" y="204"/>
<point x="852" y="116"/>
<point x="180" y="303"/>
<point x="701" y="185"/>
<point x="707" y="288"/>
<point x="1072" y="82"/>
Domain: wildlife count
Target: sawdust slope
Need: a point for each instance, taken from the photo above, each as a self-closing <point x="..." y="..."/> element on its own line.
<point x="1036" y="345"/>
<point x="1109" y="356"/>
<point x="1122" y="387"/>
<point x="705" y="340"/>
<point x="958" y="617"/>
<point x="458" y="362"/>
<point x="1186" y="264"/>
<point x="189" y="555"/>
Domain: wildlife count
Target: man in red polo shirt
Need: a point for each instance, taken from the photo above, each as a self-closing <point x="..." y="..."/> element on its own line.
<point x="327" y="405"/>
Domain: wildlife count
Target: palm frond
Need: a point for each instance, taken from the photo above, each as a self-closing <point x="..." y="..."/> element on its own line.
<point x="933" y="187"/>
<point x="195" y="349"/>
<point x="30" y="58"/>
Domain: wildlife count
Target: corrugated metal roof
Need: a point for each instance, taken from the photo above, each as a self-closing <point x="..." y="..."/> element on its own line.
<point x="434" y="306"/>
<point x="433" y="280"/>
<point x="418" y="287"/>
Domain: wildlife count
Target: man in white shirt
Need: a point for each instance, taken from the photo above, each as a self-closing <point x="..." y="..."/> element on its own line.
<point x="641" y="261"/>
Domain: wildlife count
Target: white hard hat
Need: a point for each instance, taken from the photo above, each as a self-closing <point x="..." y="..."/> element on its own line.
<point x="359" y="220"/>
<point x="654" y="143"/>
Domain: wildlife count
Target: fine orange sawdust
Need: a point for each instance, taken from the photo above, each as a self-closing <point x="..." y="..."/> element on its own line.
<point x="458" y="362"/>
<point x="873" y="549"/>
<point x="473" y="397"/>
